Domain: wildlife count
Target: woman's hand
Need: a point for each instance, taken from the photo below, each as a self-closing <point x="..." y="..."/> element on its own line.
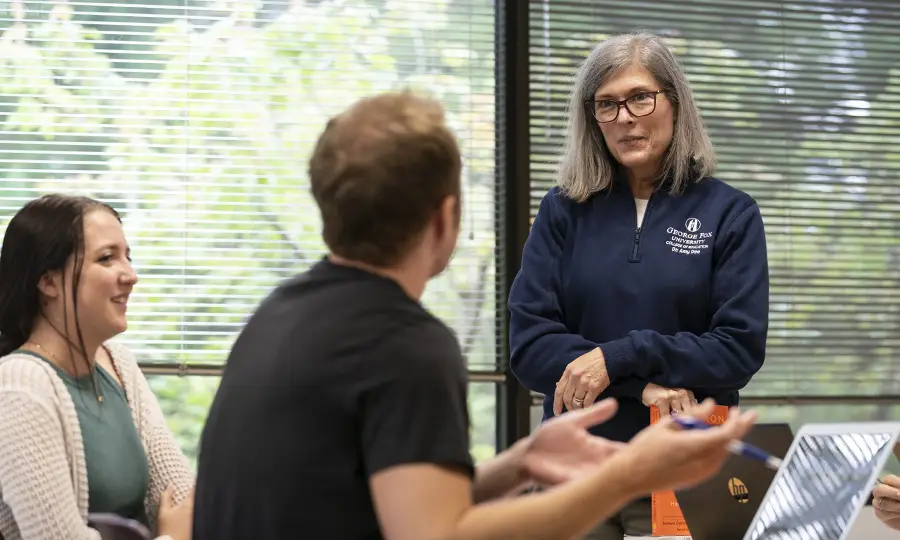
<point x="887" y="501"/>
<point x="582" y="381"/>
<point x="176" y="520"/>
<point x="668" y="400"/>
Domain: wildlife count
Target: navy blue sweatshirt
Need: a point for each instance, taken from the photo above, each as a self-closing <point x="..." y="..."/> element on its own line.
<point x="681" y="301"/>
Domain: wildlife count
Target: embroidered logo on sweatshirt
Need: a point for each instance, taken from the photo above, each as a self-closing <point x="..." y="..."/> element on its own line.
<point x="690" y="241"/>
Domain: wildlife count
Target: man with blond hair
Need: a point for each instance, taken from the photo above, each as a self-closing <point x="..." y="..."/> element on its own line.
<point x="342" y="410"/>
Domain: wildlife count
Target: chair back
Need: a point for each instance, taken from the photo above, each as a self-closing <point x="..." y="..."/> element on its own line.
<point x="113" y="527"/>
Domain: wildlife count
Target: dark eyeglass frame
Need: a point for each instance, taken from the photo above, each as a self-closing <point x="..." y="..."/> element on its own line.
<point x="591" y="109"/>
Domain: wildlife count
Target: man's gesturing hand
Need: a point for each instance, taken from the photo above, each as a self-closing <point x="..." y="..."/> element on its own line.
<point x="562" y="449"/>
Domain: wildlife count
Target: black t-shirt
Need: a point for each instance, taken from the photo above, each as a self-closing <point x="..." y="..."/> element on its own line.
<point x="338" y="375"/>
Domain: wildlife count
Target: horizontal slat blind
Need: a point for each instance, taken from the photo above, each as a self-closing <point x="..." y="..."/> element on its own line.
<point x="802" y="101"/>
<point x="195" y="119"/>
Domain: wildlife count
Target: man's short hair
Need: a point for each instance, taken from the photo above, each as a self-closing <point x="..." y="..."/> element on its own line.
<point x="379" y="172"/>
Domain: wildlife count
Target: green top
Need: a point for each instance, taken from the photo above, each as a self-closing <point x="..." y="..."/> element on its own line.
<point x="117" y="470"/>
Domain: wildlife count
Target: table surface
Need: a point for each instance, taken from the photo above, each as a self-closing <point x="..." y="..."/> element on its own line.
<point x="866" y="527"/>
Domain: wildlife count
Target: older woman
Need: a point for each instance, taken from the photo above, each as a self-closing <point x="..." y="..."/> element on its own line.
<point x="643" y="278"/>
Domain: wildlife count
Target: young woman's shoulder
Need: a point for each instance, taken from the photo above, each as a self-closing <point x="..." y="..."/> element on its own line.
<point x="25" y="372"/>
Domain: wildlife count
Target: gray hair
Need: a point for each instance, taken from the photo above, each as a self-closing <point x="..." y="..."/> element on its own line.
<point x="587" y="166"/>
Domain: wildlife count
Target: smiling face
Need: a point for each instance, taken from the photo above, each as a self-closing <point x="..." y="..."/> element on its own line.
<point x="107" y="277"/>
<point x="637" y="143"/>
<point x="105" y="282"/>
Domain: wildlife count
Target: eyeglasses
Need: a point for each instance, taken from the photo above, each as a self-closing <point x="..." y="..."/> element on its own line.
<point x="607" y="110"/>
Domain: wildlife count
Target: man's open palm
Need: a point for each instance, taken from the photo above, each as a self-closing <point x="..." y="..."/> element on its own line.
<point x="561" y="449"/>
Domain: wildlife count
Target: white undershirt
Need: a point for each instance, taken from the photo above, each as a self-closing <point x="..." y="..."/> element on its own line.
<point x="641" y="205"/>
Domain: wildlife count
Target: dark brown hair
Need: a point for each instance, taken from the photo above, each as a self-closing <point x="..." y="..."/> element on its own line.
<point x="379" y="172"/>
<point x="40" y="238"/>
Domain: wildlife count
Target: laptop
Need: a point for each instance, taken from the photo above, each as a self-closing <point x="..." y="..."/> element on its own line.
<point x="824" y="481"/>
<point x="722" y="507"/>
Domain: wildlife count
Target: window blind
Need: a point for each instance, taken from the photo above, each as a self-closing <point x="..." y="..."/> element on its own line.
<point x="195" y="120"/>
<point x="801" y="102"/>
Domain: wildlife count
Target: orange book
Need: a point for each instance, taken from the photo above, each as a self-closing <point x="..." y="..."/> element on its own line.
<point x="667" y="519"/>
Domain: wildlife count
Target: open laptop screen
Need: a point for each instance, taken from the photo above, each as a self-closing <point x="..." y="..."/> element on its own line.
<point x="820" y="487"/>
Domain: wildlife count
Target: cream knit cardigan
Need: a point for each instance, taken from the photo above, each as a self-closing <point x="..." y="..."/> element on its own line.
<point x="43" y="476"/>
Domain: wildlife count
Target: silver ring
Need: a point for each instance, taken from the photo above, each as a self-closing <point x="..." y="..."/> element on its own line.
<point x="878" y="502"/>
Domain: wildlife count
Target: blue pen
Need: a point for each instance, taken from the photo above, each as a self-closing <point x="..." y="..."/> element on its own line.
<point x="738" y="448"/>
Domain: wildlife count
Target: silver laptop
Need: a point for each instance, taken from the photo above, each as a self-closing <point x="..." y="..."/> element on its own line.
<point x="824" y="481"/>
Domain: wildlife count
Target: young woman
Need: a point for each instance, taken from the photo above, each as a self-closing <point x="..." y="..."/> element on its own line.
<point x="80" y="430"/>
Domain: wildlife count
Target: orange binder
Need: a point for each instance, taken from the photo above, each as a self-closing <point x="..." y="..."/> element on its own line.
<point x="667" y="519"/>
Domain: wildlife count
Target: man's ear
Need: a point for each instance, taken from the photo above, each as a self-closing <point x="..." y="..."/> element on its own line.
<point x="448" y="216"/>
<point x="50" y="284"/>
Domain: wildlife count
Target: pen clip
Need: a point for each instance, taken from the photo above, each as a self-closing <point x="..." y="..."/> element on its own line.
<point x="738" y="448"/>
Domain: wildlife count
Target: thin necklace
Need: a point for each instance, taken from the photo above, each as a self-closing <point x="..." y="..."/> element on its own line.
<point x="56" y="360"/>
